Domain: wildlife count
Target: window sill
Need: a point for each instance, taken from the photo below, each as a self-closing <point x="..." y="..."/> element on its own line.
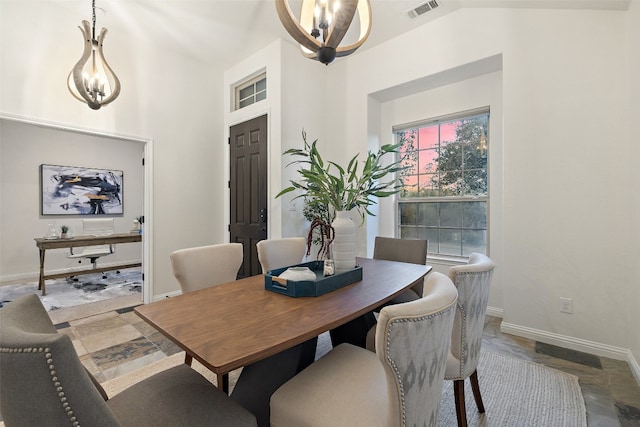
<point x="447" y="259"/>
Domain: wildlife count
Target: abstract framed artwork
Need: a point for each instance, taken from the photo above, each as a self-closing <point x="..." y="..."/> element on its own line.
<point x="72" y="190"/>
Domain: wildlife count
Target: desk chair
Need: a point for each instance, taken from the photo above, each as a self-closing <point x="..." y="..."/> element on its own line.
<point x="398" y="385"/>
<point x="205" y="266"/>
<point x="95" y="227"/>
<point x="277" y="253"/>
<point x="45" y="384"/>
<point x="473" y="282"/>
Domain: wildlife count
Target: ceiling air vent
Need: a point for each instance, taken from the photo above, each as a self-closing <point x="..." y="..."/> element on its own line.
<point x="421" y="9"/>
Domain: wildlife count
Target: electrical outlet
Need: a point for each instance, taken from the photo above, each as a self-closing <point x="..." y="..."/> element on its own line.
<point x="566" y="305"/>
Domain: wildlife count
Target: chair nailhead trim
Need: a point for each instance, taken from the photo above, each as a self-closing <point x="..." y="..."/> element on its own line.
<point x="392" y="363"/>
<point x="54" y="376"/>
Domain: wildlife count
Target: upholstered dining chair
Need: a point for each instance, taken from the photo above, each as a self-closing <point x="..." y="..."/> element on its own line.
<point x="43" y="383"/>
<point x="254" y="392"/>
<point x="361" y="330"/>
<point x="473" y="282"/>
<point x="398" y="385"/>
<point x="277" y="253"/>
<point x="404" y="250"/>
<point x="205" y="266"/>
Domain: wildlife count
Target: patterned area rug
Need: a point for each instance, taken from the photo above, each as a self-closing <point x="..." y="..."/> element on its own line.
<point x="519" y="393"/>
<point x="89" y="288"/>
<point x="515" y="392"/>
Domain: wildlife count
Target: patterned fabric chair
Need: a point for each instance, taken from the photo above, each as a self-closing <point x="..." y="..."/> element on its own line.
<point x="43" y="383"/>
<point x="398" y="385"/>
<point x="277" y="253"/>
<point x="473" y="282"/>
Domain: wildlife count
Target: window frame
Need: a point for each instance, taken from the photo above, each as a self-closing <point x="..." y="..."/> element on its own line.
<point x="251" y="82"/>
<point x="399" y="200"/>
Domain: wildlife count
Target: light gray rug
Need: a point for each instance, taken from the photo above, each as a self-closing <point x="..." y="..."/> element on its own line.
<point x="65" y="292"/>
<point x="515" y="392"/>
<point x="519" y="393"/>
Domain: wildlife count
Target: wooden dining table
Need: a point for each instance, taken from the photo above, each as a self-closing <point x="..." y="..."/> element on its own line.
<point x="241" y="324"/>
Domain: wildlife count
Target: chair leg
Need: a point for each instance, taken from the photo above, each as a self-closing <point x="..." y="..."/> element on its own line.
<point x="461" y="410"/>
<point x="475" y="386"/>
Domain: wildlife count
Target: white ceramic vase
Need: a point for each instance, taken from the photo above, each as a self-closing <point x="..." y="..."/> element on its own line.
<point x="343" y="248"/>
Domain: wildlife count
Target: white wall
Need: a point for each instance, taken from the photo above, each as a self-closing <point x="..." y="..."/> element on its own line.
<point x="564" y="230"/>
<point x="168" y="97"/>
<point x="304" y="100"/>
<point x="484" y="90"/>
<point x="23" y="148"/>
<point x="634" y="131"/>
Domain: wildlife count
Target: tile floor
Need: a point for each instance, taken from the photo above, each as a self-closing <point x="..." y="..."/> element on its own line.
<point x="116" y="342"/>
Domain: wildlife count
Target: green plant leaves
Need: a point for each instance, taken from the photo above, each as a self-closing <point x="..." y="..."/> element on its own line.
<point x="332" y="185"/>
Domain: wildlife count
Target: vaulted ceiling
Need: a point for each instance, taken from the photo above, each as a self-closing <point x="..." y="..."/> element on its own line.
<point x="225" y="31"/>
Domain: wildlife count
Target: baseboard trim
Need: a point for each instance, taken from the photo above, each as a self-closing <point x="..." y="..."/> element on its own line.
<point x="495" y="312"/>
<point x="565" y="341"/>
<point x="166" y="295"/>
<point x="635" y="367"/>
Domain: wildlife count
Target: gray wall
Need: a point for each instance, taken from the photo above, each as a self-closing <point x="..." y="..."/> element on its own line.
<point x="23" y="148"/>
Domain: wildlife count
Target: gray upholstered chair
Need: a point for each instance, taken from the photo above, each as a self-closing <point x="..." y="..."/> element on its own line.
<point x="43" y="383"/>
<point x="361" y="330"/>
<point x="277" y="253"/>
<point x="473" y="282"/>
<point x="398" y="385"/>
<point x="404" y="250"/>
<point x="205" y="266"/>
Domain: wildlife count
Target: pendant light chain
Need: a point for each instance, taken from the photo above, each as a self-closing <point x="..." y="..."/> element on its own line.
<point x="93" y="19"/>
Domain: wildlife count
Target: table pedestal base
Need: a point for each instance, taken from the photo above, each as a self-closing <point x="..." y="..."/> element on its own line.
<point x="258" y="381"/>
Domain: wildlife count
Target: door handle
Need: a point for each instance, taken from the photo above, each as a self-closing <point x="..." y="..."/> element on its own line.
<point x="263" y="215"/>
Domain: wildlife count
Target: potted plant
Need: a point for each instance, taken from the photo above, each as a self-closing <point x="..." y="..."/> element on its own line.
<point x="64" y="230"/>
<point x="338" y="190"/>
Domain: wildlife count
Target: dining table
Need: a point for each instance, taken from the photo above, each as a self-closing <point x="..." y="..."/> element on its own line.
<point x="272" y="336"/>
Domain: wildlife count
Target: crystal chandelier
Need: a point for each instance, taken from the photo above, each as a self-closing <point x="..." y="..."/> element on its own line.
<point x="92" y="80"/>
<point x="323" y="24"/>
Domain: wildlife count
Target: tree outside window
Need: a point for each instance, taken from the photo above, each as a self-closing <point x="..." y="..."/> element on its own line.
<point x="446" y="193"/>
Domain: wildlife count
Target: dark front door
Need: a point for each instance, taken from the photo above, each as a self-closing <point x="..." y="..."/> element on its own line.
<point x="248" y="189"/>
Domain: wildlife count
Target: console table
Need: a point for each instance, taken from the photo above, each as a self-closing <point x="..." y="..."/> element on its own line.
<point x="111" y="239"/>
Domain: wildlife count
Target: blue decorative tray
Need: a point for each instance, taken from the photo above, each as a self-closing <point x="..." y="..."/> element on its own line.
<point x="310" y="288"/>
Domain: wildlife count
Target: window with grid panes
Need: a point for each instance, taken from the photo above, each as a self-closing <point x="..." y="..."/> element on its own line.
<point x="446" y="195"/>
<point x="251" y="91"/>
